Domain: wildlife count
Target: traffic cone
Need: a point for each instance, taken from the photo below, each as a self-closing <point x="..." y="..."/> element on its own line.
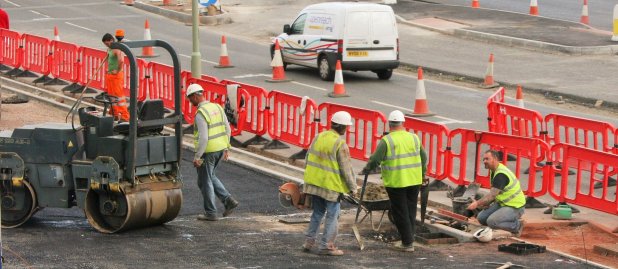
<point x="520" y="97"/>
<point x="128" y="2"/>
<point x="534" y="8"/>
<point x="147" y="52"/>
<point x="339" y="89"/>
<point x="224" y="60"/>
<point x="615" y="24"/>
<point x="277" y="65"/>
<point x="56" y="35"/>
<point x="475" y="4"/>
<point x="489" y="75"/>
<point x="421" y="108"/>
<point x="585" y="19"/>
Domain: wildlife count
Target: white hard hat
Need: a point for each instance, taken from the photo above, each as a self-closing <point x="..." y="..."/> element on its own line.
<point x="484" y="234"/>
<point x="342" y="118"/>
<point x="397" y="116"/>
<point x="193" y="88"/>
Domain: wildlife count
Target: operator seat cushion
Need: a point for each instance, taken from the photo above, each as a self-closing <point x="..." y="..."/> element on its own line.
<point x="147" y="110"/>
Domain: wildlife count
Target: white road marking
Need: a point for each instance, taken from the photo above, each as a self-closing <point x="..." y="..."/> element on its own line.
<point x="251" y="76"/>
<point x="12" y="3"/>
<point x="445" y="119"/>
<point x="87" y="29"/>
<point x="310" y="86"/>
<point x="39" y="13"/>
<point x="206" y="61"/>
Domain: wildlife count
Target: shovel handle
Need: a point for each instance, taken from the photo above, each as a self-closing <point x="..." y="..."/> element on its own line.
<point x="360" y="202"/>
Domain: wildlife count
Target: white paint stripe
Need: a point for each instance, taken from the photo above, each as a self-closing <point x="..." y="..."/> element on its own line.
<point x="310" y="86"/>
<point x="39" y="13"/>
<point x="206" y="61"/>
<point x="445" y="119"/>
<point x="393" y="106"/>
<point x="12" y="3"/>
<point x="251" y="76"/>
<point x="87" y="29"/>
<point x="449" y="120"/>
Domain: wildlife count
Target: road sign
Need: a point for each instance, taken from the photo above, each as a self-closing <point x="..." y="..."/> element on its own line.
<point x="207" y="2"/>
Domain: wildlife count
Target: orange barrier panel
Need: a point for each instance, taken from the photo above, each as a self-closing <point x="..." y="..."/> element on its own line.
<point x="581" y="132"/>
<point x="36" y="53"/>
<point x="363" y="137"/>
<point x="288" y="122"/>
<point x="217" y="93"/>
<point x="496" y="97"/>
<point x="64" y="61"/>
<point x="142" y="79"/>
<point x="161" y="83"/>
<point x="592" y="166"/>
<point x="509" y="119"/>
<point x="187" y="108"/>
<point x="11" y="48"/>
<point x="255" y="105"/>
<point x="91" y="60"/>
<point x="434" y="138"/>
<point x="529" y="151"/>
<point x="616" y="142"/>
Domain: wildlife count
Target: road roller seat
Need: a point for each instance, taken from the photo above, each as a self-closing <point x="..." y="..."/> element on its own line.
<point x="147" y="110"/>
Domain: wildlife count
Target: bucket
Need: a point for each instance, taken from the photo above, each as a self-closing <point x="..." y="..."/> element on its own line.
<point x="561" y="212"/>
<point x="460" y="205"/>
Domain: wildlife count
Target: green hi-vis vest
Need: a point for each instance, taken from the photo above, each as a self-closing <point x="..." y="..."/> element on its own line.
<point x="112" y="61"/>
<point x="217" y="137"/>
<point x="512" y="195"/>
<point x="322" y="168"/>
<point x="402" y="166"/>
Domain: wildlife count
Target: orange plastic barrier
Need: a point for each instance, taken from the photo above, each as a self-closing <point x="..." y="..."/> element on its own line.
<point x="363" y="137"/>
<point x="11" y="50"/>
<point x="255" y="105"/>
<point x="36" y="54"/>
<point x="529" y="151"/>
<point x="592" y="166"/>
<point x="91" y="60"/>
<point x="161" y="83"/>
<point x="509" y="119"/>
<point x="287" y="122"/>
<point x="64" y="61"/>
<point x="434" y="138"/>
<point x="496" y="97"/>
<point x="142" y="79"/>
<point x="581" y="132"/>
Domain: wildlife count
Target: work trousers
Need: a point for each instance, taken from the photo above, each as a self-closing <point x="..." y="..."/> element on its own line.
<point x="403" y="207"/>
<point x="209" y="183"/>
<point x="321" y="207"/>
<point x="114" y="88"/>
<point x="501" y="217"/>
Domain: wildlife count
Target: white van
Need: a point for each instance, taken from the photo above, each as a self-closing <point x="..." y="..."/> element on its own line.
<point x="362" y="35"/>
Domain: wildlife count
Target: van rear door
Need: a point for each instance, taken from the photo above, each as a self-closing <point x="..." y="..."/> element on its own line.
<point x="370" y="36"/>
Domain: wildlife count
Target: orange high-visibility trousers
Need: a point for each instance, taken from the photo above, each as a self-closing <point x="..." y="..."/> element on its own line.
<point x="114" y="88"/>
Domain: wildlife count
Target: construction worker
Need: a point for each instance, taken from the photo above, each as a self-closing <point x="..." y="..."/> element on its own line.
<point x="119" y="35"/>
<point x="506" y="200"/>
<point x="114" y="79"/>
<point x="403" y="162"/>
<point x="328" y="175"/>
<point x="212" y="142"/>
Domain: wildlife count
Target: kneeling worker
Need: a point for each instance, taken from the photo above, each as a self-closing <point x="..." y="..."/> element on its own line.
<point x="506" y="200"/>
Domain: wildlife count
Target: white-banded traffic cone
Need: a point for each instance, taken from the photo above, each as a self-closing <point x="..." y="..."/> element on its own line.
<point x="339" y="89"/>
<point x="534" y="8"/>
<point x="147" y="52"/>
<point x="475" y="4"/>
<point x="224" y="59"/>
<point x="56" y="35"/>
<point x="277" y="65"/>
<point x="421" y="108"/>
<point x="489" y="82"/>
<point x="584" y="19"/>
<point x="615" y="35"/>
<point x="519" y="97"/>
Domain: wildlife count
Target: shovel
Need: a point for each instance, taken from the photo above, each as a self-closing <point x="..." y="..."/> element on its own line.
<point x="361" y="244"/>
<point x="424" y="201"/>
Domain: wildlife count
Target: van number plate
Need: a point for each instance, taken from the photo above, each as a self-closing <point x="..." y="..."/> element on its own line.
<point x="358" y="53"/>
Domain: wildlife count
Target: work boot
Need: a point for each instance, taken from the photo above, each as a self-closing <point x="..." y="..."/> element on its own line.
<point x="331" y="252"/>
<point x="308" y="245"/>
<point x="229" y="204"/>
<point x="207" y="217"/>
<point x="399" y="246"/>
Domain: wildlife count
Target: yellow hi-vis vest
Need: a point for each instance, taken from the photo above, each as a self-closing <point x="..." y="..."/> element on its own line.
<point x="402" y="166"/>
<point x="512" y="195"/>
<point x="217" y="137"/>
<point x="322" y="168"/>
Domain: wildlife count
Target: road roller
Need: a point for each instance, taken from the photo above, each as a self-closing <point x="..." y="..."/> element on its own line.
<point x="123" y="175"/>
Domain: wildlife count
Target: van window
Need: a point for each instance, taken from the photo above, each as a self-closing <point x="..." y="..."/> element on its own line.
<point x="320" y="24"/>
<point x="358" y="24"/>
<point x="299" y="25"/>
<point x="383" y="23"/>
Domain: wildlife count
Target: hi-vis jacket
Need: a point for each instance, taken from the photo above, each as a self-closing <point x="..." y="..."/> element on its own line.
<point x="217" y="136"/>
<point x="512" y="195"/>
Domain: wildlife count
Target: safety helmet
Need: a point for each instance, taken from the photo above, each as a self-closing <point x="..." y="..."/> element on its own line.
<point x="484" y="234"/>
<point x="342" y="117"/>
<point x="194" y="88"/>
<point x="396" y="116"/>
<point x="119" y="32"/>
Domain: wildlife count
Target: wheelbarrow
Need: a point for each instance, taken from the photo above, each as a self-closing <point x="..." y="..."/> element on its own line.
<point x="368" y="207"/>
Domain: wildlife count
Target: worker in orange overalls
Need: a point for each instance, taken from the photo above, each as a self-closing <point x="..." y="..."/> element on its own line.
<point x="114" y="79"/>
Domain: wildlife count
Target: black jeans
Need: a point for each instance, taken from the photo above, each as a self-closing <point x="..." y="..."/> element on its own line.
<point x="403" y="207"/>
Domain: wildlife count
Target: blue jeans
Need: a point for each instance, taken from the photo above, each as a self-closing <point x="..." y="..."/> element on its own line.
<point x="501" y="217"/>
<point x="208" y="182"/>
<point x="320" y="207"/>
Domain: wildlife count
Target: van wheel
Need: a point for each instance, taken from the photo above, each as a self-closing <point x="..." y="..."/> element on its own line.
<point x="384" y="74"/>
<point x="272" y="55"/>
<point x="326" y="73"/>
